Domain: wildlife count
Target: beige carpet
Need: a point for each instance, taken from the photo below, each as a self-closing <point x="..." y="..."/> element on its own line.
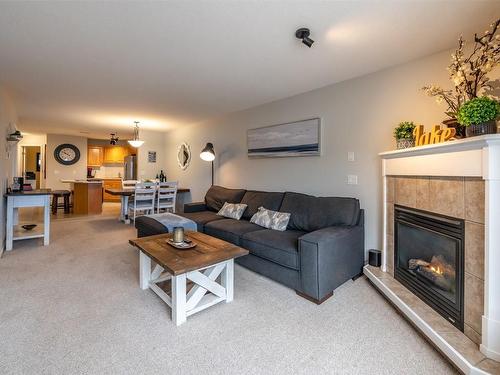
<point x="75" y="307"/>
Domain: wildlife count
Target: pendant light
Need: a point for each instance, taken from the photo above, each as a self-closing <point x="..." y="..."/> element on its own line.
<point x="136" y="142"/>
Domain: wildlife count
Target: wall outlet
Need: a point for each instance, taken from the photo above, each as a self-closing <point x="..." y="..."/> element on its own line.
<point x="350" y="156"/>
<point x="352" y="179"/>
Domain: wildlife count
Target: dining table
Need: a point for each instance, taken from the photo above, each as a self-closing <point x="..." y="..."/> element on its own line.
<point x="125" y="194"/>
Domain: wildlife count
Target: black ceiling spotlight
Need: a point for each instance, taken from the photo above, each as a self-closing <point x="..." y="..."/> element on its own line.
<point x="114" y="140"/>
<point x="303" y="33"/>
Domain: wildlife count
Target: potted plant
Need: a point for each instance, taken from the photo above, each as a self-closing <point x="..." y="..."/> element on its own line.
<point x="479" y="116"/>
<point x="404" y="135"/>
<point x="469" y="74"/>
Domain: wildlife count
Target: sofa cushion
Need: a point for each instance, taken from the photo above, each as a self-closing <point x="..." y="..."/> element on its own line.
<point x="201" y="218"/>
<point x="217" y="195"/>
<point x="255" y="199"/>
<point x="278" y="247"/>
<point x="312" y="213"/>
<point x="229" y="229"/>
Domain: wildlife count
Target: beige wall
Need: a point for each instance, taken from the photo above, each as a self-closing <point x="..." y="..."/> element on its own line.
<point x="8" y="159"/>
<point x="357" y="115"/>
<point x="56" y="171"/>
<point x="153" y="141"/>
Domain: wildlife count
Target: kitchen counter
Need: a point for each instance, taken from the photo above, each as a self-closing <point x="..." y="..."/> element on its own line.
<point x="87" y="196"/>
<point x="81" y="181"/>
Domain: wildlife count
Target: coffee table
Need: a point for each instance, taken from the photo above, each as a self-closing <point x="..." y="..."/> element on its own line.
<point x="192" y="274"/>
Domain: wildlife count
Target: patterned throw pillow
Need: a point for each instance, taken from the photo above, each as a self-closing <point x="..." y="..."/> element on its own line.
<point x="232" y="210"/>
<point x="271" y="219"/>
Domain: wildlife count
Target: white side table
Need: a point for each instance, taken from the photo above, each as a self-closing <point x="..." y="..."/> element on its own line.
<point x="16" y="200"/>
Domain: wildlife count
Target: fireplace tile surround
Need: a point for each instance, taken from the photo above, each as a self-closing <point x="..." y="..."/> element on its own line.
<point x="460" y="179"/>
<point x="446" y="196"/>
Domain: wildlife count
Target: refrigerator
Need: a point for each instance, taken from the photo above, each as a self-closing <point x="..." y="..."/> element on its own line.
<point x="130" y="168"/>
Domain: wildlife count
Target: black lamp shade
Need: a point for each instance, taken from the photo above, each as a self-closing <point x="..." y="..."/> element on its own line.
<point x="208" y="152"/>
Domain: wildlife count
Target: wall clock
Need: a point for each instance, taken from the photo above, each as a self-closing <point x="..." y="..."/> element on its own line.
<point x="67" y="154"/>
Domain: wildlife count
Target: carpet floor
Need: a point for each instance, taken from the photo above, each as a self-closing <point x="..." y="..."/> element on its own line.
<point x="75" y="307"/>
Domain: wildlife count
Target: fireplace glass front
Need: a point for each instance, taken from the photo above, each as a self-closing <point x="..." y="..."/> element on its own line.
<point x="429" y="259"/>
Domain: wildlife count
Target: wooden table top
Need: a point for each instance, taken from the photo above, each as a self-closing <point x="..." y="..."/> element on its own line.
<point x="209" y="251"/>
<point x="129" y="192"/>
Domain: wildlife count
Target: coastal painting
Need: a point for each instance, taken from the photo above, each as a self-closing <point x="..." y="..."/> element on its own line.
<point x="300" y="138"/>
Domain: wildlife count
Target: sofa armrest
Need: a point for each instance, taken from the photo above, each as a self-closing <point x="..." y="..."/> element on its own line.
<point x="195" y="207"/>
<point x="329" y="257"/>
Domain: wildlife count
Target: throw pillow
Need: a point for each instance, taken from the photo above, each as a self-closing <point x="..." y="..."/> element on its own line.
<point x="232" y="210"/>
<point x="271" y="219"/>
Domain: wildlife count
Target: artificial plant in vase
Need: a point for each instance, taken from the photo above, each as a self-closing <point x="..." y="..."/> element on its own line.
<point x="469" y="74"/>
<point x="479" y="116"/>
<point x="404" y="135"/>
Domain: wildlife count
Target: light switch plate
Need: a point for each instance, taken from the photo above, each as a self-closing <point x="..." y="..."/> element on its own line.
<point x="352" y="179"/>
<point x="350" y="156"/>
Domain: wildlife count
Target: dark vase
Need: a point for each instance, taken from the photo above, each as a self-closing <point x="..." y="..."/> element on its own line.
<point x="489" y="127"/>
<point x="459" y="129"/>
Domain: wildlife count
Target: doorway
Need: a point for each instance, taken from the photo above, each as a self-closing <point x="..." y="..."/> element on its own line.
<point x="31" y="165"/>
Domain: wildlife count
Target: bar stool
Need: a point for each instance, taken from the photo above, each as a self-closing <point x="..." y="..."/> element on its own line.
<point x="65" y="194"/>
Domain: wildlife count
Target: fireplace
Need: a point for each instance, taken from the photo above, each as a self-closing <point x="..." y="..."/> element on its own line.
<point x="429" y="259"/>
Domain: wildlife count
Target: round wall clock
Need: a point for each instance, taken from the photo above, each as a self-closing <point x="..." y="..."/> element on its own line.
<point x="67" y="154"/>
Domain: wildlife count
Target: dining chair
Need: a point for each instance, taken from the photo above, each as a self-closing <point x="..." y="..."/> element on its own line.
<point x="144" y="198"/>
<point x="166" y="196"/>
<point x="129" y="184"/>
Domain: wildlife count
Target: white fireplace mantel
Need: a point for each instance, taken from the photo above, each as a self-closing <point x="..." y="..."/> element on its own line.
<point x="469" y="157"/>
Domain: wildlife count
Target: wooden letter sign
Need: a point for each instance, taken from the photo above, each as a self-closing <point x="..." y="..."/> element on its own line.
<point x="436" y="135"/>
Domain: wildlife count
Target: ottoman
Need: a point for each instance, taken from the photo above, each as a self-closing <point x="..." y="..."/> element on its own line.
<point x="149" y="225"/>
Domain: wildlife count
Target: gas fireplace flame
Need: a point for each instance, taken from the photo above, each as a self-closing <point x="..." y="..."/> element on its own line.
<point x="437" y="270"/>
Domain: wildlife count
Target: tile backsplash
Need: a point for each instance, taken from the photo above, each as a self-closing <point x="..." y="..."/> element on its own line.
<point x="109" y="171"/>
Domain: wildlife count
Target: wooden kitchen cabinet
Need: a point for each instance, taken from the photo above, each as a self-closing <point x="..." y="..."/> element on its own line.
<point x="95" y="156"/>
<point x="115" y="154"/>
<point x="111" y="184"/>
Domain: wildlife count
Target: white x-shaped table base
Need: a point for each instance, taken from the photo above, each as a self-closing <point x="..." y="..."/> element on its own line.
<point x="198" y="298"/>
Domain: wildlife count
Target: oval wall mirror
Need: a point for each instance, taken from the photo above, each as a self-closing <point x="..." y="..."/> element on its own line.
<point x="183" y="155"/>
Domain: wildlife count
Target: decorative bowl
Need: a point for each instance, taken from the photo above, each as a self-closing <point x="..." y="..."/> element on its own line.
<point x="28" y="226"/>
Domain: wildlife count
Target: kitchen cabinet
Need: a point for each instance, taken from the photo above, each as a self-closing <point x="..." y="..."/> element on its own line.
<point x="95" y="156"/>
<point x="115" y="154"/>
<point x="111" y="184"/>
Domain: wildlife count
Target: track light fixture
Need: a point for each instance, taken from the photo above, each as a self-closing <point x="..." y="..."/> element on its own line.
<point x="303" y="34"/>
<point x="114" y="140"/>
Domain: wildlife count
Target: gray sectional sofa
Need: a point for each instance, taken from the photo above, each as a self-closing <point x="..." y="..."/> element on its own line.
<point x="322" y="247"/>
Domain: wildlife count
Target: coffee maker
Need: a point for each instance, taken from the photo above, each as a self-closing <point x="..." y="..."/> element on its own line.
<point x="90" y="172"/>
